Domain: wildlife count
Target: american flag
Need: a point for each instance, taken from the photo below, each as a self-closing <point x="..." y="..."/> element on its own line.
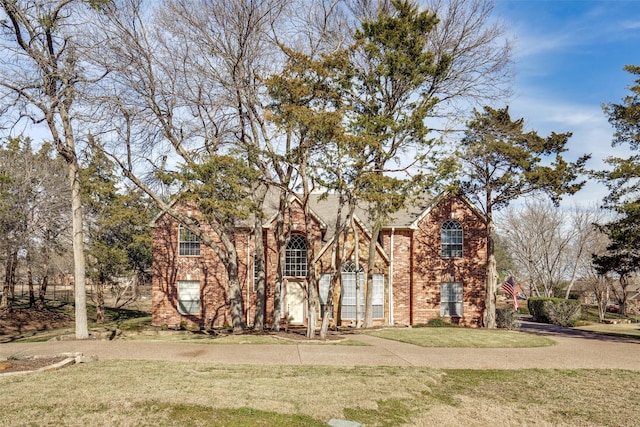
<point x="509" y="287"/>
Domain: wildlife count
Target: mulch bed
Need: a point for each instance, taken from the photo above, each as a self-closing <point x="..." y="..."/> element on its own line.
<point x="28" y="364"/>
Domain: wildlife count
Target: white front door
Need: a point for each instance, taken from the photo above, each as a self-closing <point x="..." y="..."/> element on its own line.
<point x="294" y="303"/>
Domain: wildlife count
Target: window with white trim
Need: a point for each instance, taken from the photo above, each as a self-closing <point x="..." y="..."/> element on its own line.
<point x="188" y="296"/>
<point x="451" y="235"/>
<point x="325" y="283"/>
<point x="295" y="262"/>
<point x="188" y="243"/>
<point x="451" y="299"/>
<point x="255" y="272"/>
<point x="348" y="282"/>
<point x="378" y="296"/>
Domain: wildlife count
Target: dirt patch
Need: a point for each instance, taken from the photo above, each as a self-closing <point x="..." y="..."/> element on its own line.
<point x="21" y="320"/>
<point x="28" y="364"/>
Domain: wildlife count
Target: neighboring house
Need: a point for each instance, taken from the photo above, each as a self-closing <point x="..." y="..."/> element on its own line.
<point x="431" y="262"/>
<point x="583" y="291"/>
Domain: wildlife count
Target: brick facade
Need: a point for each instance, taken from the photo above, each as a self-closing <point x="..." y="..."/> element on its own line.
<point x="408" y="255"/>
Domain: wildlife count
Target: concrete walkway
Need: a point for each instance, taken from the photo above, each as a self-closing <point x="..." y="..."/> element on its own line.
<point x="572" y="351"/>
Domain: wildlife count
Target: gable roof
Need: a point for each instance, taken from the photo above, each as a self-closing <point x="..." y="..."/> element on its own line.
<point x="324" y="208"/>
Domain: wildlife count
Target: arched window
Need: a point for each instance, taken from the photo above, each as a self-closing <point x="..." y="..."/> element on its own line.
<point x="188" y="243"/>
<point x="295" y="262"/>
<point x="451" y="238"/>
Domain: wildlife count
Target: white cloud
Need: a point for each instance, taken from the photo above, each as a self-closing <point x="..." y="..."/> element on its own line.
<point x="630" y="25"/>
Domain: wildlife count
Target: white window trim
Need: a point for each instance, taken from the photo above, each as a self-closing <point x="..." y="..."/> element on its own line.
<point x="190" y="246"/>
<point x="189" y="297"/>
<point x="324" y="283"/>
<point x="451" y="296"/>
<point x="453" y="249"/>
<point x="295" y="264"/>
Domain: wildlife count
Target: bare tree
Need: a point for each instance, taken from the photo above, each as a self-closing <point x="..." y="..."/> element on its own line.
<point x="34" y="215"/>
<point x="480" y="55"/>
<point x="586" y="242"/>
<point x="552" y="248"/>
<point x="186" y="84"/>
<point x="42" y="72"/>
<point x="600" y="285"/>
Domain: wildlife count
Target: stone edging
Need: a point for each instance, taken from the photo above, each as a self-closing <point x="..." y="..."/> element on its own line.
<point x="70" y="359"/>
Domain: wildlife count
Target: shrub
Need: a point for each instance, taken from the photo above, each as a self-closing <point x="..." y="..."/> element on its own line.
<point x="438" y="322"/>
<point x="556" y="311"/>
<point x="565" y="312"/>
<point x="506" y="319"/>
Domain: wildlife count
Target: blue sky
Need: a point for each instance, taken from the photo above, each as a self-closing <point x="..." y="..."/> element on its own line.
<point x="568" y="57"/>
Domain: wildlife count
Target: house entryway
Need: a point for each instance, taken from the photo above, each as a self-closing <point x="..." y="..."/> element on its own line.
<point x="294" y="302"/>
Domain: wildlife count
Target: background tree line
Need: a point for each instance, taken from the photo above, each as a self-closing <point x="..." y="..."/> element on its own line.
<point x="35" y="224"/>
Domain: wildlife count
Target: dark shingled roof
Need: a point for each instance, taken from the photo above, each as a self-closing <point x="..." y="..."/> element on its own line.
<point x="325" y="208"/>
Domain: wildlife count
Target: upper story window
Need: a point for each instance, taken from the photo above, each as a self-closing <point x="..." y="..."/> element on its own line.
<point x="188" y="243"/>
<point x="295" y="263"/>
<point x="451" y="238"/>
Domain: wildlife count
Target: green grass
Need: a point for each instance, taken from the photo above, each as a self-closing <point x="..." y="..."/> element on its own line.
<point x="462" y="337"/>
<point x="197" y="415"/>
<point x="589" y="313"/>
<point x="146" y="393"/>
<point x="624" y="330"/>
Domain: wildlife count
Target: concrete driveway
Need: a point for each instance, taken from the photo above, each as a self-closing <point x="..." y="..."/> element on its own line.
<point x="573" y="350"/>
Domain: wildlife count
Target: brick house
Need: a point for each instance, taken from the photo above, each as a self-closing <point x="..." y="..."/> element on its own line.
<point x="431" y="262"/>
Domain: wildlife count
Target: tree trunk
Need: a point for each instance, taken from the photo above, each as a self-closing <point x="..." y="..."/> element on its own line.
<point x="336" y="266"/>
<point x="234" y="289"/>
<point x="281" y="241"/>
<point x="371" y="265"/>
<point x="260" y="265"/>
<point x="32" y="295"/>
<point x="602" y="297"/>
<point x="8" y="289"/>
<point x="43" y="289"/>
<point x="489" y="318"/>
<point x="356" y="255"/>
<point x="4" y="302"/>
<point x="100" y="302"/>
<point x="82" y="327"/>
<point x="312" y="280"/>
<point x="235" y="300"/>
<point x="260" y="277"/>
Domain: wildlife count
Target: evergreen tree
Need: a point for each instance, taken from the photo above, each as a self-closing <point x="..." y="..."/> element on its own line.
<point x="502" y="162"/>
<point x="391" y="100"/>
<point x="623" y="180"/>
<point x="308" y="106"/>
<point x="119" y="239"/>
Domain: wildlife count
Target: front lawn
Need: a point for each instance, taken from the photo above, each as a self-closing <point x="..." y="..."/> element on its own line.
<point x="145" y="393"/>
<point x="625" y="330"/>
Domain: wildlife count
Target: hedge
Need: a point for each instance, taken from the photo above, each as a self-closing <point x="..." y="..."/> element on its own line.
<point x="556" y="311"/>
